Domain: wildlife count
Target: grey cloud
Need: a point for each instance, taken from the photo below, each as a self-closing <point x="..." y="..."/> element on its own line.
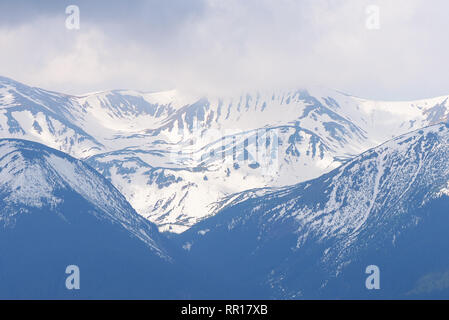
<point x="212" y="45"/>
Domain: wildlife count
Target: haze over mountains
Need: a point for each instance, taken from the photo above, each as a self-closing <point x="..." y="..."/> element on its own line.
<point x="175" y="156"/>
<point x="267" y="195"/>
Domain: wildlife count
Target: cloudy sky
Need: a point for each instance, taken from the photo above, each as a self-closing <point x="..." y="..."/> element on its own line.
<point x="224" y="46"/>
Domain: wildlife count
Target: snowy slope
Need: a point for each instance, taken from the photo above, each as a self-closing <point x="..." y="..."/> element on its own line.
<point x="42" y="116"/>
<point x="56" y="211"/>
<point x="174" y="155"/>
<point x="387" y="207"/>
<point x="214" y="148"/>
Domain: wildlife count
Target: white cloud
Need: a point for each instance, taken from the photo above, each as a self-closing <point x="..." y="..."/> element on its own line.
<point x="241" y="45"/>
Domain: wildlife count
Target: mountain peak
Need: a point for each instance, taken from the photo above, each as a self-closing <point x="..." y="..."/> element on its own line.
<point x="35" y="176"/>
<point x="173" y="156"/>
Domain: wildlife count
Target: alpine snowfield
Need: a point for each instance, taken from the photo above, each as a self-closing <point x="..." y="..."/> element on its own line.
<point x="387" y="207"/>
<point x="175" y="156"/>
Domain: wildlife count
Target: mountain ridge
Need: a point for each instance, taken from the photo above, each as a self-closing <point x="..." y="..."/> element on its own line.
<point x="175" y="145"/>
<point x="316" y="238"/>
<point x="56" y="211"/>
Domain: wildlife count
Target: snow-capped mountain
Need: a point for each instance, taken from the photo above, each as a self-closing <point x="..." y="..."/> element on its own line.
<point x="42" y="116"/>
<point x="56" y="211"/>
<point x="174" y="156"/>
<point x="386" y="207"/>
<point x="212" y="148"/>
<point x="220" y="169"/>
